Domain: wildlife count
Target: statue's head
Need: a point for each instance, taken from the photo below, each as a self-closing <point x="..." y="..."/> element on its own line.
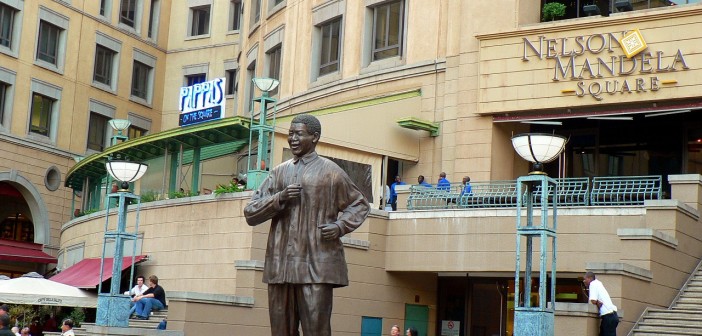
<point x="304" y="134"/>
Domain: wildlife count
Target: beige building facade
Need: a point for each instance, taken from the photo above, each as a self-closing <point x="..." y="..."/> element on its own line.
<point x="478" y="71"/>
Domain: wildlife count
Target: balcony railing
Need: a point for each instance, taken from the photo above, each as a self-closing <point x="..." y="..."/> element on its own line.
<point x="575" y="191"/>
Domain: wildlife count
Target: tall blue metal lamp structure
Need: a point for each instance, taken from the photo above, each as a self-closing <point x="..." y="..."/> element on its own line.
<point x="113" y="308"/>
<point x="536" y="318"/>
<point x="257" y="171"/>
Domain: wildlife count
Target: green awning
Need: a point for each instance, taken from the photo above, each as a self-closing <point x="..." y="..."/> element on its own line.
<point x="233" y="130"/>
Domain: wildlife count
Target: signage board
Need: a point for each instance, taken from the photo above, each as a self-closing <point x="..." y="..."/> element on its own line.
<point x="202" y="102"/>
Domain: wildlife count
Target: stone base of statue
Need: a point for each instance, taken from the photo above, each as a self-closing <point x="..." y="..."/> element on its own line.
<point x="533" y="322"/>
<point x="112" y="310"/>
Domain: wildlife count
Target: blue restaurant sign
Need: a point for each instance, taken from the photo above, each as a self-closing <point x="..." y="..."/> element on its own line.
<point x="202" y="102"/>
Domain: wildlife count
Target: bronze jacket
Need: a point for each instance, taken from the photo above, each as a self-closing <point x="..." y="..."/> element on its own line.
<point x="296" y="252"/>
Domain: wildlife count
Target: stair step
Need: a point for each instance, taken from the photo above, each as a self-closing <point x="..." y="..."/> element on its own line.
<point x="662" y="333"/>
<point x="672" y="321"/>
<point x="667" y="328"/>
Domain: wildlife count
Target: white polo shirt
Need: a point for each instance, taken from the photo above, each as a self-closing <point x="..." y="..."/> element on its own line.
<point x="599" y="293"/>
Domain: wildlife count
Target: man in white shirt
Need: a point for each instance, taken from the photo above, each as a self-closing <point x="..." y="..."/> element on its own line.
<point x="600" y="298"/>
<point x="67" y="328"/>
<point x="139" y="289"/>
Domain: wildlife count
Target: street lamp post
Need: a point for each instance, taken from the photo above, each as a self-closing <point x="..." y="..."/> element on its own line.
<point x="532" y="319"/>
<point x="113" y="308"/>
<point x="258" y="171"/>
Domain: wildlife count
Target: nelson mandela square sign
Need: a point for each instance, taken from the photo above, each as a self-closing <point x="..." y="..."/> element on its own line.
<point x="202" y="102"/>
<point x="603" y="65"/>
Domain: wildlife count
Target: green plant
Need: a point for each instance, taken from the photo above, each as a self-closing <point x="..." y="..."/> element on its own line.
<point x="23" y="315"/>
<point x="78" y="316"/>
<point x="229" y="188"/>
<point x="149" y="196"/>
<point x="181" y="194"/>
<point x="552" y="10"/>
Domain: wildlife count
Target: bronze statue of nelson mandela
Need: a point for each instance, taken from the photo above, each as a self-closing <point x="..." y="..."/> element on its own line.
<point x="312" y="203"/>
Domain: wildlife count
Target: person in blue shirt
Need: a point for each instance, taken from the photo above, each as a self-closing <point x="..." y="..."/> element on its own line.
<point x="467" y="190"/>
<point x="443" y="184"/>
<point x="422" y="182"/>
<point x="393" y="193"/>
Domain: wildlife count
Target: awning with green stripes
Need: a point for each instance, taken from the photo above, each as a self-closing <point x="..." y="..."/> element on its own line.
<point x="216" y="138"/>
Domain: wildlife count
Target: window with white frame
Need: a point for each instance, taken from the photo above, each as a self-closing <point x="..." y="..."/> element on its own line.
<point x="250" y="74"/>
<point x="330" y="48"/>
<point x="274" y="55"/>
<point x="232" y="81"/>
<point x="140" y="79"/>
<point x="10" y="26"/>
<point x="51" y="40"/>
<point x="154" y="16"/>
<point x="199" y="20"/>
<point x="106" y="9"/>
<point x="97" y="132"/>
<point x="195" y="79"/>
<point x="255" y="12"/>
<point x="387" y="29"/>
<point x="44" y="111"/>
<point x="142" y="76"/>
<point x="3" y="100"/>
<point x="7" y="83"/>
<point x="130" y="14"/>
<point x="235" y="15"/>
<point x="106" y="68"/>
<point x="140" y="126"/>
<point x="7" y="17"/>
<point x="127" y="12"/>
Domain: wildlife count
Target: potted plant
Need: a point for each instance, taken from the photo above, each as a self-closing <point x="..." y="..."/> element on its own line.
<point x="552" y="10"/>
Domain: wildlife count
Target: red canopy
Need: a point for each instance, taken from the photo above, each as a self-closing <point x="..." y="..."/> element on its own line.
<point x="11" y="250"/>
<point x="86" y="273"/>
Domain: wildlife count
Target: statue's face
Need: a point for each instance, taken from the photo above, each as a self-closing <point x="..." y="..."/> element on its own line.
<point x="300" y="140"/>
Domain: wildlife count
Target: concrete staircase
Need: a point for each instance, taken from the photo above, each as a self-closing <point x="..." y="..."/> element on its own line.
<point x="684" y="317"/>
<point x="143" y="325"/>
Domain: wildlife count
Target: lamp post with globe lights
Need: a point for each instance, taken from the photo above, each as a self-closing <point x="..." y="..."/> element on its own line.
<point x="536" y="319"/>
<point x="257" y="171"/>
<point x="113" y="307"/>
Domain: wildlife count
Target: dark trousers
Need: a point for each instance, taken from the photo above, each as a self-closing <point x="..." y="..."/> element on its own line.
<point x="290" y="305"/>
<point x="608" y="324"/>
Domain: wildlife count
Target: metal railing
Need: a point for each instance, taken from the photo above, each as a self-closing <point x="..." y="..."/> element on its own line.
<point x="573" y="191"/>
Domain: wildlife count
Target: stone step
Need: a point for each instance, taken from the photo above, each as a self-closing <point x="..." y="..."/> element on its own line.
<point x="673" y="321"/>
<point x="662" y="333"/>
<point x="663" y="329"/>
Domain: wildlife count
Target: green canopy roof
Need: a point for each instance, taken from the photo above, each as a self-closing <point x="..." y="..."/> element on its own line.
<point x="234" y="129"/>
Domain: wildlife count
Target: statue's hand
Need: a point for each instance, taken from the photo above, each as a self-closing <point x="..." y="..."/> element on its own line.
<point x="330" y="231"/>
<point x="292" y="191"/>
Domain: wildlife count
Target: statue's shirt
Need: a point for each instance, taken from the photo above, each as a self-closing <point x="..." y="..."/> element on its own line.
<point x="296" y="252"/>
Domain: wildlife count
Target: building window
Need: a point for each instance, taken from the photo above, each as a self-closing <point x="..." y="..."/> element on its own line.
<point x="127" y="13"/>
<point x="331" y="47"/>
<point x="199" y="20"/>
<point x="134" y="132"/>
<point x="235" y="15"/>
<point x="195" y="79"/>
<point x="274" y="56"/>
<point x="140" y="80"/>
<point x="97" y="132"/>
<point x="153" y="18"/>
<point x="7" y="17"/>
<point x="42" y="107"/>
<point x="387" y="30"/>
<point x="232" y="83"/>
<point x="250" y="74"/>
<point x="104" y="58"/>
<point x="48" y="43"/>
<point x="3" y="99"/>
<point x="255" y="11"/>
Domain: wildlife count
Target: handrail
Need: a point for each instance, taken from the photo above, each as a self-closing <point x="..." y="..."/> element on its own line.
<point x="572" y="191"/>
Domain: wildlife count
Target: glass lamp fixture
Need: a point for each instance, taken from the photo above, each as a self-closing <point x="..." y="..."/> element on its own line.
<point x="538" y="148"/>
<point x="126" y="172"/>
<point x="119" y="125"/>
<point x="265" y="84"/>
